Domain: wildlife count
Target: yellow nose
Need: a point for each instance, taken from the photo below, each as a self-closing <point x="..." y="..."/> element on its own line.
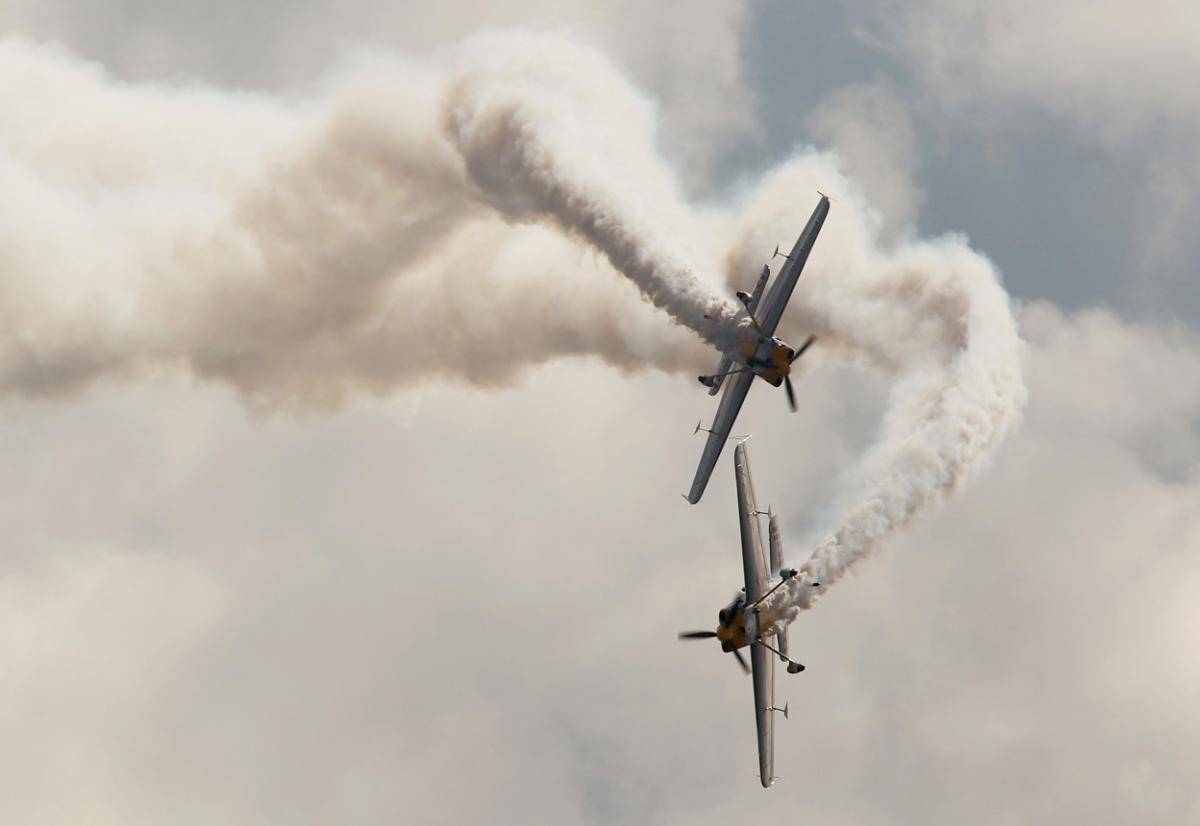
<point x="782" y="357"/>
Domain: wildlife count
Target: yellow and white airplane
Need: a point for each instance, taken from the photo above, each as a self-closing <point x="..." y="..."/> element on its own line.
<point x="747" y="621"/>
<point x="758" y="352"/>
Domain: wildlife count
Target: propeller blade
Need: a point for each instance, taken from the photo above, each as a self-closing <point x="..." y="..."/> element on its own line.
<point x="808" y="342"/>
<point x="728" y="615"/>
<point x="696" y="635"/>
<point x="741" y="660"/>
<point x="791" y="394"/>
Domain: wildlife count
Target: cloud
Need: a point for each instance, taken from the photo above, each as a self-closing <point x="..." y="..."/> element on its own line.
<point x="868" y="127"/>
<point x="1115" y="76"/>
<point x="1114" y="68"/>
<point x="461" y="604"/>
<point x="351" y="618"/>
<point x="334" y="248"/>
<point x="282" y="297"/>
<point x="698" y="77"/>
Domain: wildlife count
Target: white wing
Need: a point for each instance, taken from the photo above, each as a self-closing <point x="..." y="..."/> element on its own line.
<point x="735" y="393"/>
<point x="781" y="290"/>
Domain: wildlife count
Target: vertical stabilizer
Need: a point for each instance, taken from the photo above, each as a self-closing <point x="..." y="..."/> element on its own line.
<point x="776" y="545"/>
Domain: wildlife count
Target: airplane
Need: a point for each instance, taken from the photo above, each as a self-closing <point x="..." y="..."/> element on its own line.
<point x="758" y="351"/>
<point x="747" y="622"/>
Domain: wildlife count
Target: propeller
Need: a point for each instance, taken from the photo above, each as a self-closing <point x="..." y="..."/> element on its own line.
<point x="726" y="616"/>
<point x="787" y="380"/>
<point x="706" y="635"/>
<point x="808" y="342"/>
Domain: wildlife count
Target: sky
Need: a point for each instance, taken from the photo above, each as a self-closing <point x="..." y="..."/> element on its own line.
<point x="338" y="488"/>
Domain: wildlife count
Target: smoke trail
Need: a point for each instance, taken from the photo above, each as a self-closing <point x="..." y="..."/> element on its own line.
<point x="301" y="251"/>
<point x="525" y="112"/>
<point x="409" y="224"/>
<point x="934" y="316"/>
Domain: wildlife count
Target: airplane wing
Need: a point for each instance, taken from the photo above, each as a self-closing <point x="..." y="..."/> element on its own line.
<point x="754" y="566"/>
<point x="762" y="663"/>
<point x="736" y="389"/>
<point x="781" y="290"/>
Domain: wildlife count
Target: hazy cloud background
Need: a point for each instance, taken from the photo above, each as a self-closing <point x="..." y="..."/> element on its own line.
<point x="453" y="605"/>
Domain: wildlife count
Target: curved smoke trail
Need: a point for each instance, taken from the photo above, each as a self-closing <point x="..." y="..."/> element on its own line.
<point x="525" y="114"/>
<point x="931" y="313"/>
<point x="410" y="225"/>
<point x="336" y="247"/>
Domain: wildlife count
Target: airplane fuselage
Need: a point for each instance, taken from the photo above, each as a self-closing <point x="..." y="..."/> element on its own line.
<point x="768" y="358"/>
<point x="738" y="628"/>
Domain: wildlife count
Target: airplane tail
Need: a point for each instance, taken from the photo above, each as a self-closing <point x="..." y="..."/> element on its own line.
<point x="776" y="543"/>
<point x="759" y="286"/>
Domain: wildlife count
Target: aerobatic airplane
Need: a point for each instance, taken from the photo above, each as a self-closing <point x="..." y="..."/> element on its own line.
<point x="747" y="622"/>
<point x="759" y="352"/>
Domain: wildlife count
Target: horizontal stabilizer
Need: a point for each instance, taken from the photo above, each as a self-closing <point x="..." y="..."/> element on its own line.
<point x="776" y="544"/>
<point x="758" y="289"/>
<point x="714" y="381"/>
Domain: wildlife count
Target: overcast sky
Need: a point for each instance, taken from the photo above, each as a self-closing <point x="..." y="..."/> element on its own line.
<point x="262" y="581"/>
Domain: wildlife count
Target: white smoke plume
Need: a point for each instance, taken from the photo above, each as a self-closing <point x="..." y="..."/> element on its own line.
<point x="302" y="251"/>
<point x="933" y="315"/>
<point x="416" y="221"/>
<point x="528" y="123"/>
